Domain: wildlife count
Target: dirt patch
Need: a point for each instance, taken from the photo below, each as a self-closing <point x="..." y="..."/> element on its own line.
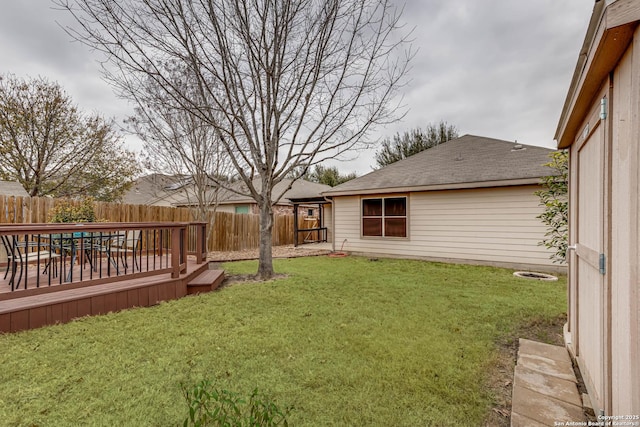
<point x="500" y="382"/>
<point x="286" y="251"/>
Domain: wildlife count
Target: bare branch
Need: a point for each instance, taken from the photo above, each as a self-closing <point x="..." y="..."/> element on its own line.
<point x="283" y="84"/>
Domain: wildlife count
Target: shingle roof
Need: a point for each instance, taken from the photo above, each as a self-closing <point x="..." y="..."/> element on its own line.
<point x="152" y="189"/>
<point x="300" y="189"/>
<point x="303" y="189"/>
<point x="468" y="161"/>
<point x="12" y="188"/>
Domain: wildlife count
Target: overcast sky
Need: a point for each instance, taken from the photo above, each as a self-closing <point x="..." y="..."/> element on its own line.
<point x="495" y="68"/>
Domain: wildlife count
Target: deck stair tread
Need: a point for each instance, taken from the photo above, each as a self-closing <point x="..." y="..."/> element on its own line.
<point x="206" y="281"/>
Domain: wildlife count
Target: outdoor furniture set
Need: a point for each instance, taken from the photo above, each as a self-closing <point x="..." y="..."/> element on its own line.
<point x="63" y="250"/>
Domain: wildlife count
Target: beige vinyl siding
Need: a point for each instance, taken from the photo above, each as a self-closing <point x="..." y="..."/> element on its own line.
<point x="327" y="218"/>
<point x="493" y="225"/>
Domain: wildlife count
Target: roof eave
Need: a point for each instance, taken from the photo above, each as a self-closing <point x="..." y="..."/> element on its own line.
<point x="609" y="33"/>
<point x="436" y="187"/>
<point x="318" y="199"/>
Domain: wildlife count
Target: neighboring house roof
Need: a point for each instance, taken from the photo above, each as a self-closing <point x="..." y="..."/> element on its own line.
<point x="12" y="188"/>
<point x="465" y="162"/>
<point x="300" y="189"/>
<point x="153" y="189"/>
<point x="303" y="190"/>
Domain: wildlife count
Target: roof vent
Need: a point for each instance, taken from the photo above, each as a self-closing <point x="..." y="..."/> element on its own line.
<point x="518" y="147"/>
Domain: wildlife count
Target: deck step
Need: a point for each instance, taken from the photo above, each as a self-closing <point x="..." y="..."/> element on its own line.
<point x="207" y="281"/>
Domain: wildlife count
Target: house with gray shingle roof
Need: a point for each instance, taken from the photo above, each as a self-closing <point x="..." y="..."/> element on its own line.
<point x="155" y="190"/>
<point x="282" y="194"/>
<point x="12" y="188"/>
<point x="469" y="200"/>
<point x="171" y="190"/>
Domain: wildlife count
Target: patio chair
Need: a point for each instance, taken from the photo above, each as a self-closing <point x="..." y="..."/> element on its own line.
<point x="129" y="243"/>
<point x="18" y="255"/>
<point x="97" y="245"/>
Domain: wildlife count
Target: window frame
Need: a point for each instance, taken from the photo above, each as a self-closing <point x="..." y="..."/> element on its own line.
<point x="241" y="208"/>
<point x="383" y="216"/>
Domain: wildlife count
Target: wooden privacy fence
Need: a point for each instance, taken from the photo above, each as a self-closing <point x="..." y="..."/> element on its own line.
<point x="226" y="231"/>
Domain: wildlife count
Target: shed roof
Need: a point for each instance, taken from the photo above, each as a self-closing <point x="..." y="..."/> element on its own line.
<point x="465" y="162"/>
<point x="610" y="31"/>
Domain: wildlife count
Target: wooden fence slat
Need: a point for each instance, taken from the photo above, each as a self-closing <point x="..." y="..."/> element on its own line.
<point x="226" y="232"/>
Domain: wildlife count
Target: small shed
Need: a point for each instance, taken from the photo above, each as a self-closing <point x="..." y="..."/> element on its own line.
<point x="471" y="199"/>
<point x="600" y="127"/>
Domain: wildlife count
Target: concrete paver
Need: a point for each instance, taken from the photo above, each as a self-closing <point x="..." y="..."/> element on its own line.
<point x="564" y="390"/>
<point x="548" y="366"/>
<point x="518" y="420"/>
<point x="544" y="387"/>
<point x="549" y="351"/>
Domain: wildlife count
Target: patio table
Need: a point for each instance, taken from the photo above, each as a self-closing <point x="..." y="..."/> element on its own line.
<point x="87" y="244"/>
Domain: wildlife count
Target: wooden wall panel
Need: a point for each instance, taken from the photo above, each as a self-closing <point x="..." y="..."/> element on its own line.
<point x="98" y="305"/>
<point x="56" y="313"/>
<point x="153" y="295"/>
<point x="5" y="322"/>
<point x="69" y="311"/>
<point x="111" y="302"/>
<point x="37" y="317"/>
<point x="131" y="297"/>
<point x="625" y="230"/>
<point x="143" y="297"/>
<point x="122" y="300"/>
<point x="20" y="321"/>
<point x="83" y="307"/>
<point x="590" y="235"/>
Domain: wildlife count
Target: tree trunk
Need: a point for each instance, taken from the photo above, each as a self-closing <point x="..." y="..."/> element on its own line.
<point x="265" y="263"/>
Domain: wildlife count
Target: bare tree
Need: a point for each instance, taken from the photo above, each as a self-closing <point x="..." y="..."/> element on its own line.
<point x="180" y="144"/>
<point x="51" y="148"/>
<point x="286" y="83"/>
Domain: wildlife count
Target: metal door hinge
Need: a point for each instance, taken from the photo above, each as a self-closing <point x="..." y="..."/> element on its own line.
<point x="603" y="108"/>
<point x="603" y="268"/>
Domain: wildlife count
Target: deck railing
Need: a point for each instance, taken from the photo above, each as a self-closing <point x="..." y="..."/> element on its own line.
<point x="43" y="255"/>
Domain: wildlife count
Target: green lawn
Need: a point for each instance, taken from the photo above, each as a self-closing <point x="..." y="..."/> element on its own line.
<point x="344" y="341"/>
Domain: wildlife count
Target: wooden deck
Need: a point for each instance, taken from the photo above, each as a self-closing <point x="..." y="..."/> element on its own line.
<point x="59" y="303"/>
<point x="37" y="280"/>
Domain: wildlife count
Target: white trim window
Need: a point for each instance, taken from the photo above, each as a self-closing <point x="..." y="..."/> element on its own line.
<point x="384" y="217"/>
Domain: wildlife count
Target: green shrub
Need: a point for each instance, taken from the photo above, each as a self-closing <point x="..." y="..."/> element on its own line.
<point x="210" y="406"/>
<point x="70" y="211"/>
<point x="554" y="199"/>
